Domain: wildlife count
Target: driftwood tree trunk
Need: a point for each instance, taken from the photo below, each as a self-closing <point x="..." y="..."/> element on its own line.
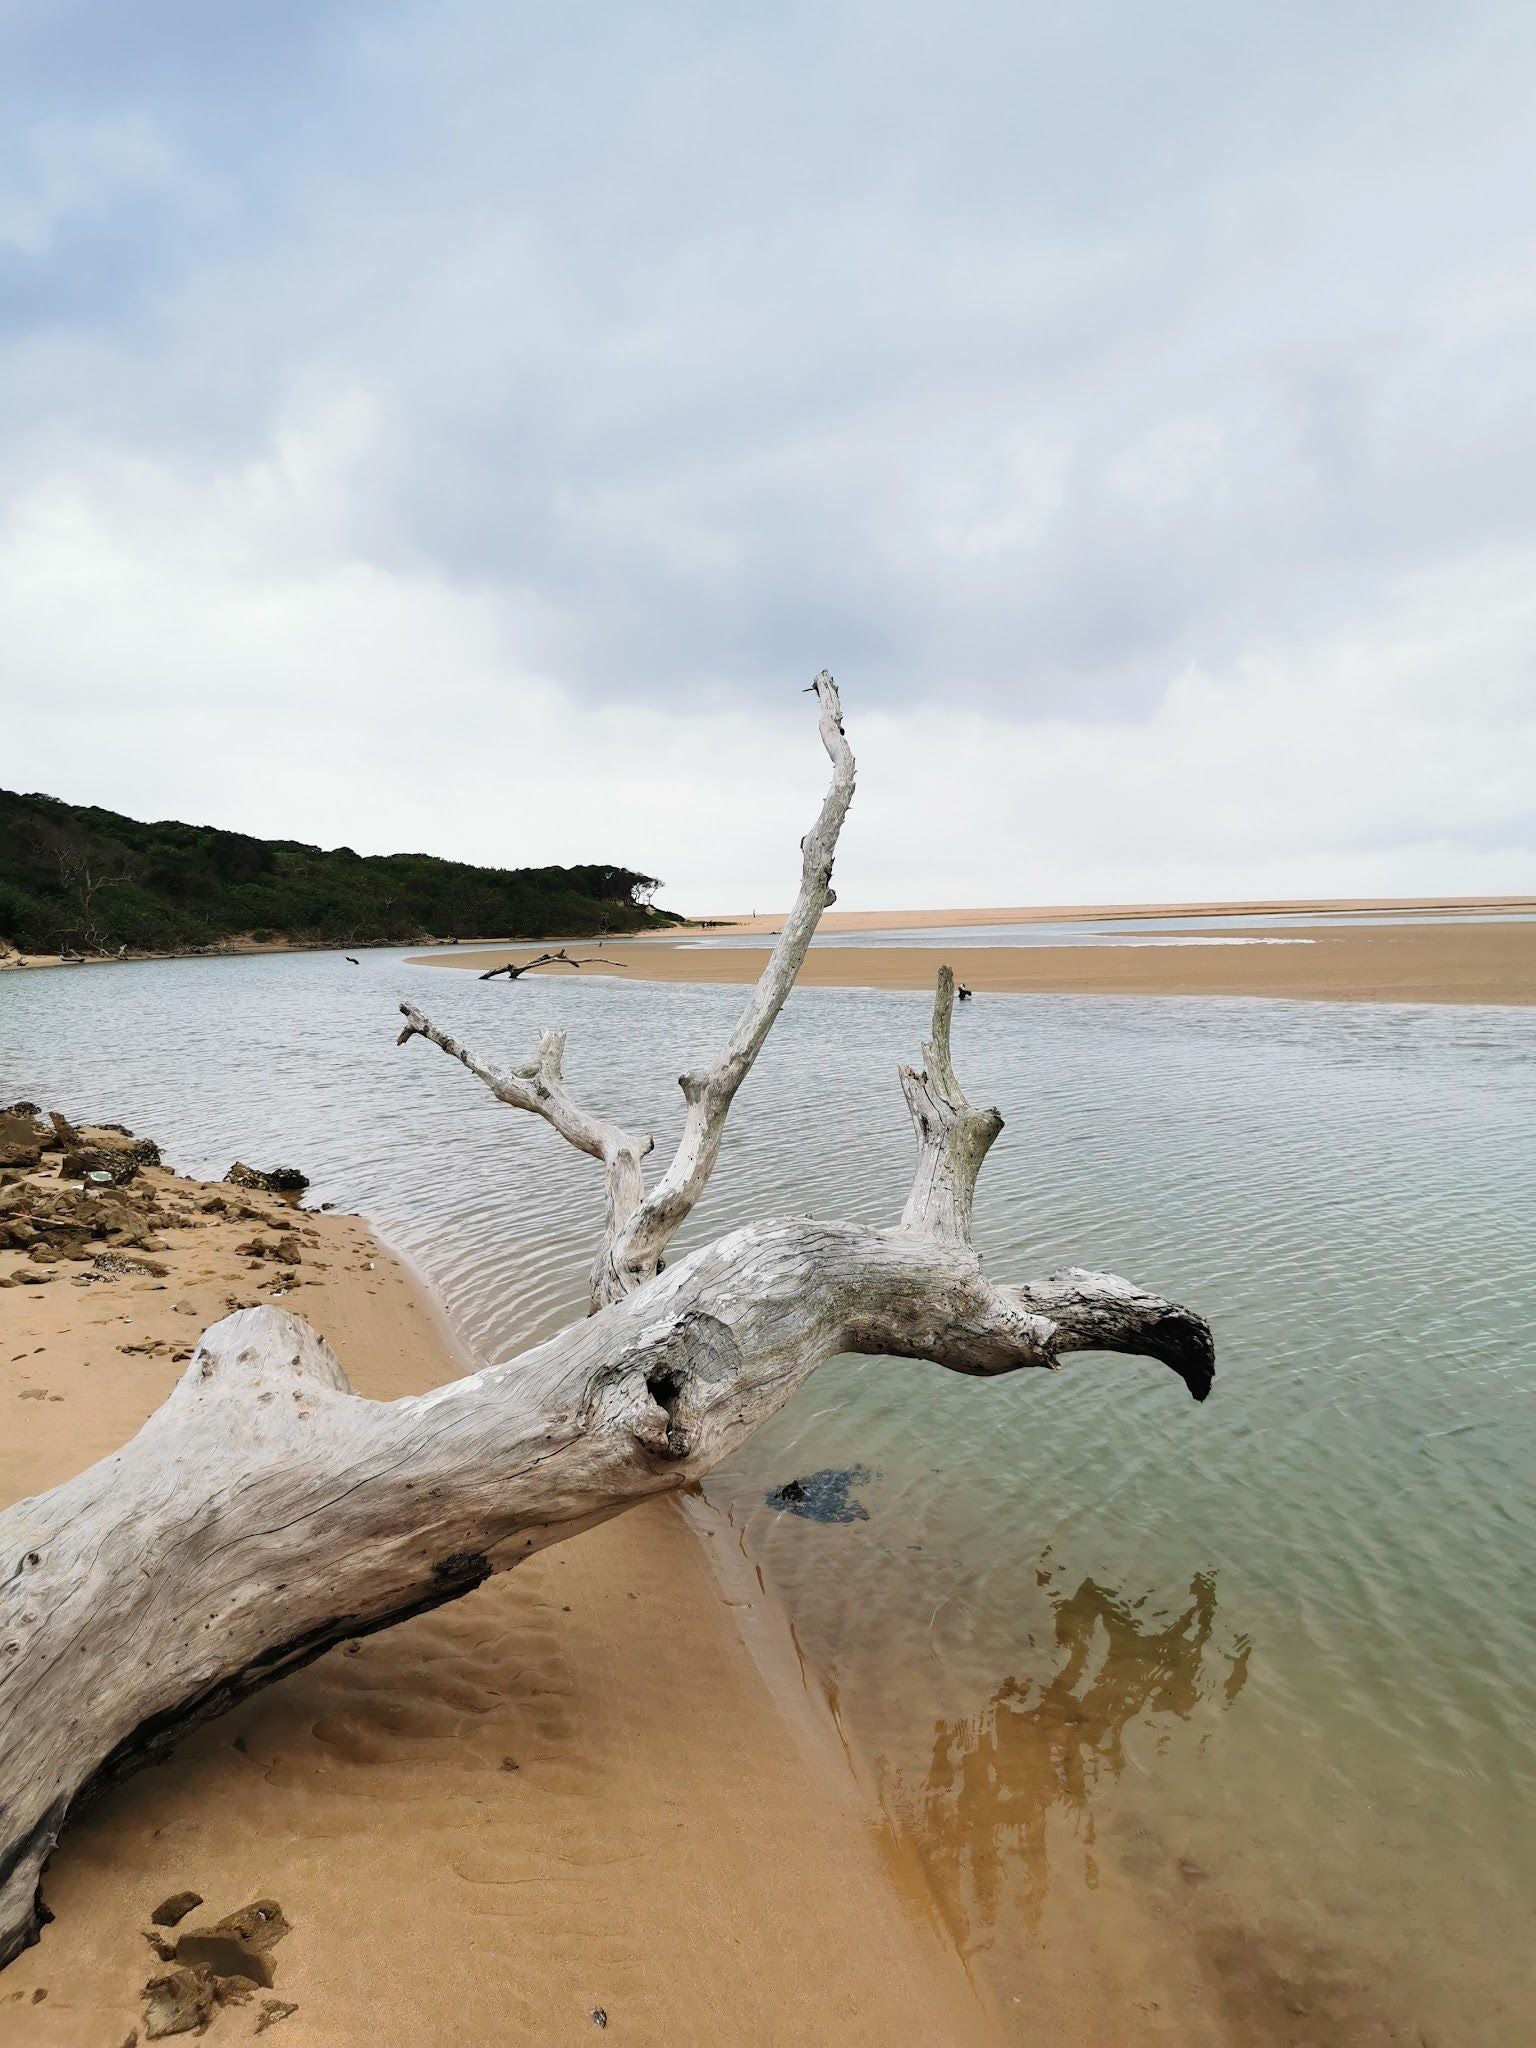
<point x="266" y="1512"/>
<point x="514" y="972"/>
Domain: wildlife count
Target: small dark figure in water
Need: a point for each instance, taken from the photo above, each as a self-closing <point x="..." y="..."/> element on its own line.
<point x="962" y="992"/>
<point x="823" y="1496"/>
<point x="351" y="961"/>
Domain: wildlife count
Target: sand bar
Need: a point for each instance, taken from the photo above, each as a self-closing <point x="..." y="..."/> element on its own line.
<point x="571" y="1791"/>
<point x="1075" y="913"/>
<point x="1454" y="962"/>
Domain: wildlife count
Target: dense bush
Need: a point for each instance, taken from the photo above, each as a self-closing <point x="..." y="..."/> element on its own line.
<point x="92" y="880"/>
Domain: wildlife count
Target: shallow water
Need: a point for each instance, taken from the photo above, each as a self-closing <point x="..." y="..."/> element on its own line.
<point x="1262" y="928"/>
<point x="1210" y="1724"/>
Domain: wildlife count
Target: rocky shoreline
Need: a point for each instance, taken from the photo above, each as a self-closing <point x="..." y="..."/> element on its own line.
<point x="97" y="1198"/>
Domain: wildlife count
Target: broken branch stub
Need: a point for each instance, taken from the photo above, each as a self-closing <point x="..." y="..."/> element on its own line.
<point x="952" y="1138"/>
<point x="283" y="1513"/>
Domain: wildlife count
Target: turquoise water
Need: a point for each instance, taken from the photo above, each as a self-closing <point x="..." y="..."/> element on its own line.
<point x="1209" y="1724"/>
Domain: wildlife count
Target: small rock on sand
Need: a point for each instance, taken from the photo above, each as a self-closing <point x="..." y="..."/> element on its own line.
<point x="20" y="1143"/>
<point x="172" y="1911"/>
<point x="239" y="1945"/>
<point x="277" y="1180"/>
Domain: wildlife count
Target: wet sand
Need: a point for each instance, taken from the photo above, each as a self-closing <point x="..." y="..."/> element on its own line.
<point x="571" y="1792"/>
<point x="1458" y="962"/>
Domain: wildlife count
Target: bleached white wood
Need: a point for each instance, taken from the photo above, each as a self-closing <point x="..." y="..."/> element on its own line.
<point x="640" y="1225"/>
<point x="952" y="1138"/>
<point x="266" y="1512"/>
<point x="540" y="1088"/>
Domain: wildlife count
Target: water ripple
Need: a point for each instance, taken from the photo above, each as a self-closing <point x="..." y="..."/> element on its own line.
<point x="1348" y="1191"/>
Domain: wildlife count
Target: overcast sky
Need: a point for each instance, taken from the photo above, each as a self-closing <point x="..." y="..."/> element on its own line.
<point x="466" y="427"/>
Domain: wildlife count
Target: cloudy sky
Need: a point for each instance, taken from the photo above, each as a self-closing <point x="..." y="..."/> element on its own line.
<point x="466" y="427"/>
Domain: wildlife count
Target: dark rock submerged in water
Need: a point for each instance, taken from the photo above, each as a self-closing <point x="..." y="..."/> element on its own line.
<point x="825" y="1496"/>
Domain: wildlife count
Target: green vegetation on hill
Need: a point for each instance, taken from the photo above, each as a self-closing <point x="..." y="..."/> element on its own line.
<point x="73" y="877"/>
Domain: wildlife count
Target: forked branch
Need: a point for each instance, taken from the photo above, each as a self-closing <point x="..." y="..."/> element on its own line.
<point x="539" y="1087"/>
<point x="640" y="1225"/>
<point x="636" y="1253"/>
<point x="514" y="971"/>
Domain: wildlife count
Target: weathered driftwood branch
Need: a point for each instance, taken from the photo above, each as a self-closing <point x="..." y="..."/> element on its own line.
<point x="560" y="959"/>
<point x="640" y="1225"/>
<point x="266" y="1512"/>
<point x="952" y="1138"/>
<point x="539" y="1086"/>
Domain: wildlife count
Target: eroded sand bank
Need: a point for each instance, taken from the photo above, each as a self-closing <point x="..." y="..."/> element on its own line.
<point x="1456" y="962"/>
<point x="571" y="1792"/>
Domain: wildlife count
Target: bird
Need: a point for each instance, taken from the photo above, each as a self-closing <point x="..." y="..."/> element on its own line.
<point x="963" y="992"/>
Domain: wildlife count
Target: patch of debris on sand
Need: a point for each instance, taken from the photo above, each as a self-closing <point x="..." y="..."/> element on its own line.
<point x="225" y="1963"/>
<point x="95" y="1198"/>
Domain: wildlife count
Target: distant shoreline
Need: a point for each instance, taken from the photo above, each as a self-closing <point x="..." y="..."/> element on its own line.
<point x="1345" y="959"/>
<point x="1076" y="913"/>
<point x="242" y="948"/>
<point x="1456" y="961"/>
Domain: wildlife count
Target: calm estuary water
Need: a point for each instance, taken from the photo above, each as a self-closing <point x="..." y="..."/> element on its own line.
<point x="1208" y="1724"/>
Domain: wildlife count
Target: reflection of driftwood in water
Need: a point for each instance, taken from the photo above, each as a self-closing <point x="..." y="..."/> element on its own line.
<point x="996" y="1777"/>
<point x="560" y="959"/>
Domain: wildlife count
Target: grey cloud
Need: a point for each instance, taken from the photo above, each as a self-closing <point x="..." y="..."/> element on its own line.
<point x="1013" y="354"/>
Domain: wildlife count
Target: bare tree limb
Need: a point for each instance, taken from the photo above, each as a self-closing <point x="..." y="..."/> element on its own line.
<point x="1101" y="1312"/>
<point x="638" y="1230"/>
<point x="636" y="1252"/>
<point x="540" y="1088"/>
<point x="560" y="959"/>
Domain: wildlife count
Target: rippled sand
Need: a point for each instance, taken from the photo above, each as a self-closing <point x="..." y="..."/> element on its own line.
<point x="571" y="1792"/>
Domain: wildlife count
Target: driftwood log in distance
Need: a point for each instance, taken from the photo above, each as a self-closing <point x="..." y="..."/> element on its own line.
<point x="560" y="959"/>
<point x="266" y="1512"/>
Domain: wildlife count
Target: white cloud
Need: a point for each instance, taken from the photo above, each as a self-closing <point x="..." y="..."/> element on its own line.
<point x="205" y="647"/>
<point x="453" y="425"/>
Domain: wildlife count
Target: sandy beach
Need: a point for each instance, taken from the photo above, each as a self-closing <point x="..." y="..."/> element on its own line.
<point x="599" y="1785"/>
<point x="1034" y="913"/>
<point x="1453" y="962"/>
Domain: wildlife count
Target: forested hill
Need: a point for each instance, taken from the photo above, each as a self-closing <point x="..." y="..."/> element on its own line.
<point x="76" y="878"/>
